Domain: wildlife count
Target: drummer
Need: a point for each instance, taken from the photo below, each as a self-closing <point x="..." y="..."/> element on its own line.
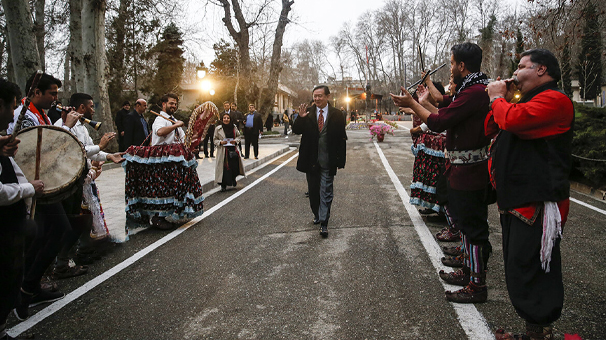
<point x="51" y="219"/>
<point x="82" y="222"/>
<point x="15" y="196"/>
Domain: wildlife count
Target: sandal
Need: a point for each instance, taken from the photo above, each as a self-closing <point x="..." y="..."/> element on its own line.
<point x="449" y="235"/>
<point x="500" y="334"/>
<point x="452" y="251"/>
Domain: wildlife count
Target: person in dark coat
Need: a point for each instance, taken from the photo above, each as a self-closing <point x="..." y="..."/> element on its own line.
<point x="321" y="153"/>
<point x="120" y="120"/>
<point x="136" y="128"/>
<point x="253" y="126"/>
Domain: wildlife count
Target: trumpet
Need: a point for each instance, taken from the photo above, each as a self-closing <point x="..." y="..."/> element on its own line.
<point x="96" y="125"/>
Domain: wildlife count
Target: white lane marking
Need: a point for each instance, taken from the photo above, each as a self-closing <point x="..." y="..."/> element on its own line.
<point x="54" y="307"/>
<point x="471" y="320"/>
<point x="603" y="212"/>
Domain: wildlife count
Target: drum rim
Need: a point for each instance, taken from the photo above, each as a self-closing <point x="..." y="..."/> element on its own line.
<point x="54" y="191"/>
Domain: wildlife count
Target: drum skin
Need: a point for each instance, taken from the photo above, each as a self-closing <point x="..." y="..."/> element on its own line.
<point x="62" y="161"/>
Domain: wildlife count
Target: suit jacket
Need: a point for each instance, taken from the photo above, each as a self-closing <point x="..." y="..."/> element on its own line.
<point x="133" y="130"/>
<point x="257" y="123"/>
<point x="337" y="140"/>
<point x="236" y="119"/>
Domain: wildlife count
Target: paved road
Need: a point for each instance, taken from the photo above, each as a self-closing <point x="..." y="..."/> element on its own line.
<point x="254" y="267"/>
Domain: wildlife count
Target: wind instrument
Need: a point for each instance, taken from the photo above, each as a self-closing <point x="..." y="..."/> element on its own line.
<point x="96" y="125"/>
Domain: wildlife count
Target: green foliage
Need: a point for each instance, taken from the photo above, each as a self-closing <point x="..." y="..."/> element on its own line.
<point x="589" y="68"/>
<point x="519" y="49"/>
<point x="169" y="62"/>
<point x="131" y="33"/>
<point x="566" y="69"/>
<point x="590" y="142"/>
<point x="224" y="72"/>
<point x="488" y="31"/>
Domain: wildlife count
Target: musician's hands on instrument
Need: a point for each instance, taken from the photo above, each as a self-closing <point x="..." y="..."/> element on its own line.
<point x="72" y="118"/>
<point x="116" y="157"/>
<point x="415" y="131"/>
<point x="404" y="100"/>
<point x="9" y="149"/>
<point x="406" y="110"/>
<point x="503" y="88"/>
<point x="38" y="187"/>
<point x="303" y="110"/>
<point x="106" y="139"/>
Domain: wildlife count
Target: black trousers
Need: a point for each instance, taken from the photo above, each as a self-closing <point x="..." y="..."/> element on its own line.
<point x="537" y="297"/>
<point x="11" y="265"/>
<point x="52" y="223"/>
<point x="209" y="138"/>
<point x="251" y="137"/>
<point x="469" y="213"/>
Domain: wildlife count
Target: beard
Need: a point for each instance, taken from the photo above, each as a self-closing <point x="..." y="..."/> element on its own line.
<point x="457" y="79"/>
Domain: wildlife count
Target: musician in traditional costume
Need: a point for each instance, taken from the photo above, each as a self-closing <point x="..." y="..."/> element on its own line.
<point x="467" y="151"/>
<point x="531" y="158"/>
<point x="15" y="198"/>
<point x="161" y="180"/>
<point x="89" y="223"/>
<point x="51" y="219"/>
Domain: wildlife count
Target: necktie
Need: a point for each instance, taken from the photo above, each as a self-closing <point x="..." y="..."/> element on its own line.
<point x="320" y="120"/>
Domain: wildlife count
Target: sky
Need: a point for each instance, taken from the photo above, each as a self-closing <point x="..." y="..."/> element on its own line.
<point x="311" y="19"/>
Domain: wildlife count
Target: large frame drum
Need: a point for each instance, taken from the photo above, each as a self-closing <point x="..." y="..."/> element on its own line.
<point x="62" y="160"/>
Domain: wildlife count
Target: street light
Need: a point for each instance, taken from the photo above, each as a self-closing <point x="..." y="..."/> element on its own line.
<point x="205" y="85"/>
<point x="200" y="73"/>
<point x="212" y="92"/>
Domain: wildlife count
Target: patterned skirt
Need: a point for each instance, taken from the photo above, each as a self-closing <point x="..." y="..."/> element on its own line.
<point x="162" y="180"/>
<point x="429" y="165"/>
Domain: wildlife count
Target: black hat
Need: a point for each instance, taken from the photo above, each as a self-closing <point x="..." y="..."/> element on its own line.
<point x="126" y="102"/>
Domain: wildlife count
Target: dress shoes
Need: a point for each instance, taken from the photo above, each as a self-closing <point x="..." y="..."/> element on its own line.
<point x="324" y="230"/>
<point x="316" y="220"/>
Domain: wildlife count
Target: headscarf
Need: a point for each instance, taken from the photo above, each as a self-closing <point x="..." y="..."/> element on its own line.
<point x="228" y="129"/>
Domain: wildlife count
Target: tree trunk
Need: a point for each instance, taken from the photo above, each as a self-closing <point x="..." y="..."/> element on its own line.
<point x="39" y="29"/>
<point x="93" y="48"/>
<point x="67" y="83"/>
<point x="75" y="45"/>
<point x="269" y="93"/>
<point x="24" y="53"/>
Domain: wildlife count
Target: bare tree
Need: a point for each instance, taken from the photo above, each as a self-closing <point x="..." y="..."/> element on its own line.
<point x="23" y="49"/>
<point x="93" y="48"/>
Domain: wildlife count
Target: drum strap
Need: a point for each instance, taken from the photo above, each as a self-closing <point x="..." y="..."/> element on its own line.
<point x="42" y="117"/>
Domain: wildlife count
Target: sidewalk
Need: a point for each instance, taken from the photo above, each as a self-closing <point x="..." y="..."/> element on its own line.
<point x="111" y="185"/>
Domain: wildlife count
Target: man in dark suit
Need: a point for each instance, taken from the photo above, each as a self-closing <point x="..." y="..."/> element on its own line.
<point x="136" y="129"/>
<point x="237" y="118"/>
<point x="120" y="118"/>
<point x="322" y="151"/>
<point x="253" y="125"/>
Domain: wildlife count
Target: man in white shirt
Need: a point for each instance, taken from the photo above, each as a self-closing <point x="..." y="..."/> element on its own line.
<point x="84" y="106"/>
<point x="14" y="191"/>
<point x="165" y="131"/>
<point x="82" y="224"/>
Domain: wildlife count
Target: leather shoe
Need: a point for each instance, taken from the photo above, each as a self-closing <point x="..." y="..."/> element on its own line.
<point x="316" y="221"/>
<point x="453" y="261"/>
<point x="324" y="230"/>
<point x="469" y="294"/>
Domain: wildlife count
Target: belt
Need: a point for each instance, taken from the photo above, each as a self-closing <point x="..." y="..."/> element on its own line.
<point x="458" y="157"/>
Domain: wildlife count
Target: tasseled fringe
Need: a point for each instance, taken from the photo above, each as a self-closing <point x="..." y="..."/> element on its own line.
<point x="552" y="229"/>
<point x="93" y="205"/>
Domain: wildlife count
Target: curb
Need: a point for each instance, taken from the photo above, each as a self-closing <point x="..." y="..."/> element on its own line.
<point x="594" y="193"/>
<point x="206" y="187"/>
